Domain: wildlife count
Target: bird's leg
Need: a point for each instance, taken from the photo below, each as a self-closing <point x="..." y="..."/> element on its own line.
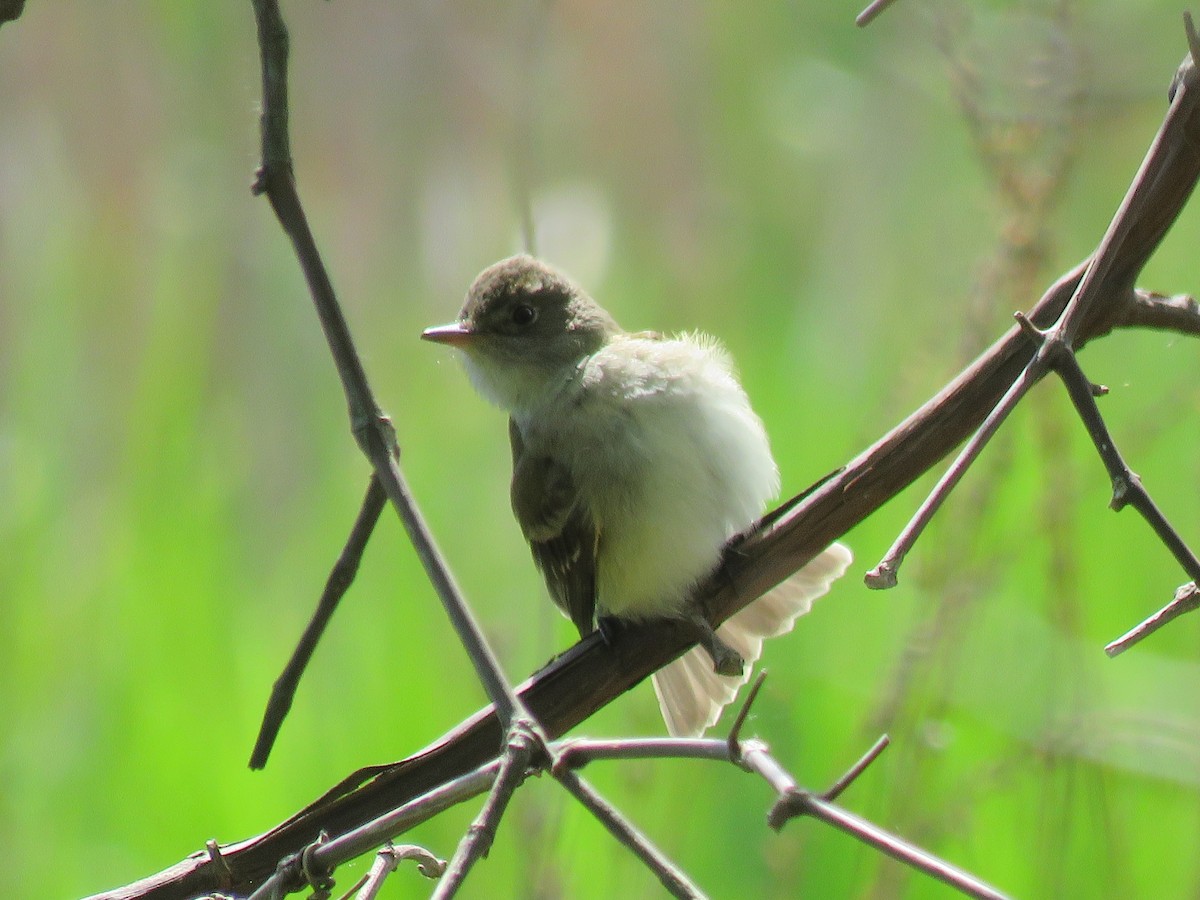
<point x="726" y="660"/>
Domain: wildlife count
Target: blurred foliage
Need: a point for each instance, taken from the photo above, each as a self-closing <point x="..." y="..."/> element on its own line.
<point x="856" y="213"/>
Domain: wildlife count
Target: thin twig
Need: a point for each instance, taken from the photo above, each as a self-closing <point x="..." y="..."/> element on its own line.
<point x="669" y="875"/>
<point x="884" y="575"/>
<point x="366" y="837"/>
<point x="887" y="843"/>
<point x="872" y="12"/>
<point x="851" y="775"/>
<point x="1186" y="599"/>
<point x="388" y="859"/>
<point x="1179" y="313"/>
<point x="372" y="430"/>
<point x="341" y="576"/>
<point x="520" y="750"/>
<point x="1153" y="196"/>
<point x="735" y="730"/>
<point x="794" y="801"/>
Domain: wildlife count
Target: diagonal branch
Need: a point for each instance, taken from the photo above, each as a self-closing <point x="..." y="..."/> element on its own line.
<point x="592" y="674"/>
<point x="340" y="578"/>
<point x="1162" y="184"/>
<point x="671" y="877"/>
<point x="520" y="750"/>
<point x="372" y="430"/>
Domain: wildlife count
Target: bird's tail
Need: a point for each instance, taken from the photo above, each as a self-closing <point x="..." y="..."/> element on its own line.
<point x="691" y="695"/>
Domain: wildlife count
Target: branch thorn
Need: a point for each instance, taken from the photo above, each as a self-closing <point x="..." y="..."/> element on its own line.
<point x="736" y="731"/>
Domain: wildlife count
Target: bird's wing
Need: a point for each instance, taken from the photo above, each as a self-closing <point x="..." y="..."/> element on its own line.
<point x="559" y="529"/>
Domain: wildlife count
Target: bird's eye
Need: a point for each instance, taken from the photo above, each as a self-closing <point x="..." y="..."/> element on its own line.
<point x="523" y="314"/>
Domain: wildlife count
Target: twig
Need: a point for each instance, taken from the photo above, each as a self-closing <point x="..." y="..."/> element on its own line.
<point x="669" y="875"/>
<point x="364" y="838"/>
<point x="1169" y="170"/>
<point x="735" y="730"/>
<point x="851" y="774"/>
<point x="1187" y="599"/>
<point x="387" y="860"/>
<point x="1179" y="313"/>
<point x="754" y="756"/>
<point x="883" y="576"/>
<point x="371" y="428"/>
<point x="801" y="803"/>
<point x="340" y="579"/>
<point x="521" y="748"/>
<point x="872" y="12"/>
<point x="794" y="801"/>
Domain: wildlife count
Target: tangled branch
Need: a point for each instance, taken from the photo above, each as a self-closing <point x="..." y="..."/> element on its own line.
<point x="1092" y="300"/>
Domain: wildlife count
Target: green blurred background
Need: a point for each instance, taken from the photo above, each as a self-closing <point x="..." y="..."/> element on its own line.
<point x="856" y="213"/>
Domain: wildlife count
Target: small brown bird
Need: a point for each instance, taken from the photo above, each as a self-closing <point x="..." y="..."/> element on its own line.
<point x="635" y="459"/>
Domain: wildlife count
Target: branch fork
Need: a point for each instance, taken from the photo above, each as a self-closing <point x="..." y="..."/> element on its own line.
<point x="1165" y="179"/>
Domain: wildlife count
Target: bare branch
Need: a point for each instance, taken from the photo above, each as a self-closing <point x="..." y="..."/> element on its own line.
<point x="388" y="859"/>
<point x="1179" y="313"/>
<point x="1163" y="183"/>
<point x="1187" y="599"/>
<point x="802" y="803"/>
<point x="522" y="745"/>
<point x="372" y="430"/>
<point x="339" y="581"/>
<point x="851" y="775"/>
<point x="671" y="876"/>
<point x="794" y="801"/>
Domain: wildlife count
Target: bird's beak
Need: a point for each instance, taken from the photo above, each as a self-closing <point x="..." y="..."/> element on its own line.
<point x="456" y="334"/>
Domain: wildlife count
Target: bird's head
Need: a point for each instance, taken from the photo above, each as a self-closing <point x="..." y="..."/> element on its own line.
<point x="523" y="328"/>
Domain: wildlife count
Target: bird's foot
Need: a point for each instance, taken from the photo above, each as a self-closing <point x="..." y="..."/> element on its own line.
<point x="726" y="660"/>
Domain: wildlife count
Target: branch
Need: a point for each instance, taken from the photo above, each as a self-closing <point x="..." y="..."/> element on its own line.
<point x="592" y="673"/>
<point x="873" y="10"/>
<point x="521" y="748"/>
<point x="388" y="859"/>
<point x="1163" y="183"/>
<point x="372" y="429"/>
<point x="339" y="581"/>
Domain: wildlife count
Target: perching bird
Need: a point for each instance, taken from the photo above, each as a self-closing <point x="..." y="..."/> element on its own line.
<point x="635" y="459"/>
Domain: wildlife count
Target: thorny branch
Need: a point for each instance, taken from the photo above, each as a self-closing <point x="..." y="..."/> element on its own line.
<point x="319" y="859"/>
<point x="523" y="747"/>
<point x="592" y="674"/>
<point x="1167" y="173"/>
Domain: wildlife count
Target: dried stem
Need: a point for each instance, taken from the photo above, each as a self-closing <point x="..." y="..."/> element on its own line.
<point x="388" y="859"/>
<point x="872" y="12"/>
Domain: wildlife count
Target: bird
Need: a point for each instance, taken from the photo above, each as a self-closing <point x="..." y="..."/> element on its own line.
<point x="636" y="459"/>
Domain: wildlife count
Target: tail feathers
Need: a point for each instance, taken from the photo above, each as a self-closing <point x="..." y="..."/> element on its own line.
<point x="691" y="695"/>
